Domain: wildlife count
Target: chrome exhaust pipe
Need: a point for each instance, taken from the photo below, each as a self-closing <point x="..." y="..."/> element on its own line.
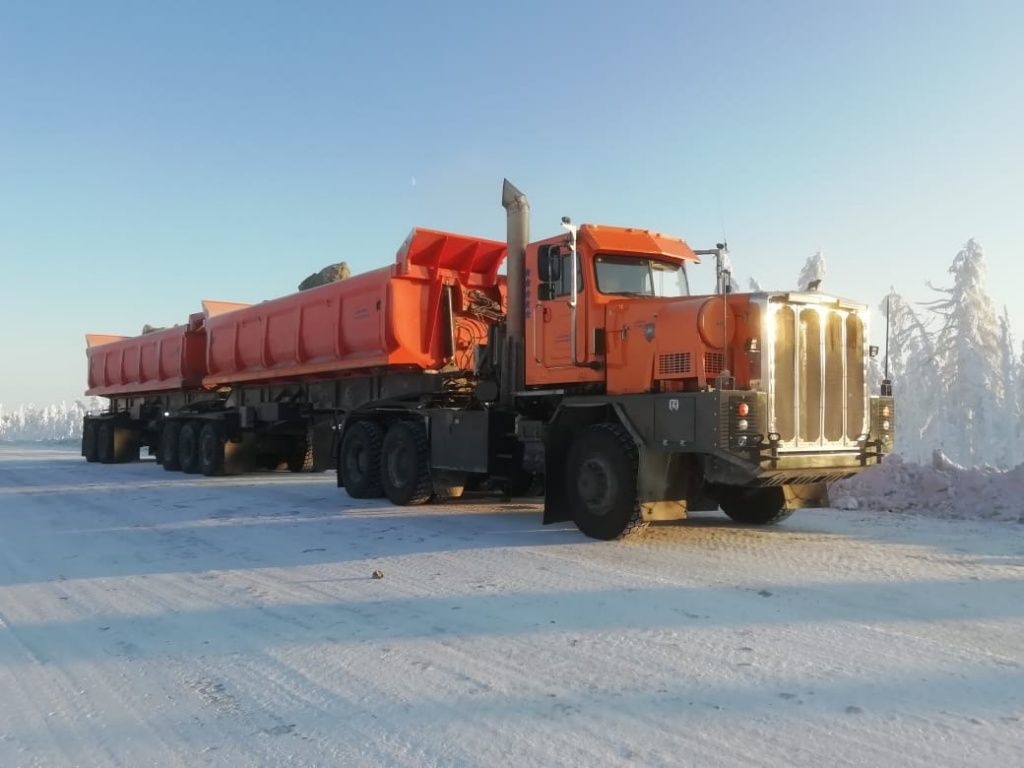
<point x="517" y="214"/>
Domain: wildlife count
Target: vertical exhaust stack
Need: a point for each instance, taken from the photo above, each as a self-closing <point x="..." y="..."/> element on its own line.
<point x="517" y="212"/>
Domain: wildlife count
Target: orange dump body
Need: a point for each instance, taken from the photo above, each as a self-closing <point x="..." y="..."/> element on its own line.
<point x="170" y="359"/>
<point x="396" y="316"/>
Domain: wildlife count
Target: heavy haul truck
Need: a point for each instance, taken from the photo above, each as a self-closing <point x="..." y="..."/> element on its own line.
<point x="589" y="366"/>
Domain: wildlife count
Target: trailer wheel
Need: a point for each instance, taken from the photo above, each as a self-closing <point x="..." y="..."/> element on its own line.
<point x="89" y="442"/>
<point x="188" y="447"/>
<point x="304" y="456"/>
<point x="105" y="442"/>
<point x="753" y="506"/>
<point x="359" y="460"/>
<point x="405" y="464"/>
<point x="211" y="449"/>
<point x="600" y="476"/>
<point x="169" y="446"/>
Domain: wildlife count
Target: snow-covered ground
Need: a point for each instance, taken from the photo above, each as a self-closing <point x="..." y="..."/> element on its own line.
<point x="160" y="619"/>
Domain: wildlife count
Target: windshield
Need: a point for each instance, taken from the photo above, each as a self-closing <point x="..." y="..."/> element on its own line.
<point x="632" y="276"/>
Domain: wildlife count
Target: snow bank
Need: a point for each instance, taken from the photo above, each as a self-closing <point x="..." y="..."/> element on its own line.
<point x="944" y="489"/>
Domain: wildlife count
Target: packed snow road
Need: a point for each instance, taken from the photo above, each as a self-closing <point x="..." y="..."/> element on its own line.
<point x="149" y="618"/>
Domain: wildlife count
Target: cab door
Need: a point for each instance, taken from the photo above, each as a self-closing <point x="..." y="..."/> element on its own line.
<point x="549" y="316"/>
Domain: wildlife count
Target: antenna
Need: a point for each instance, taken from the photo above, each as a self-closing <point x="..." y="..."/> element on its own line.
<point x="886" y="388"/>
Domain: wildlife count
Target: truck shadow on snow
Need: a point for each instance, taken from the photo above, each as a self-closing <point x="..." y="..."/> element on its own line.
<point x="139" y="520"/>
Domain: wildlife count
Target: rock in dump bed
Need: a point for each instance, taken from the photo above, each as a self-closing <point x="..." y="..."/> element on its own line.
<point x="329" y="274"/>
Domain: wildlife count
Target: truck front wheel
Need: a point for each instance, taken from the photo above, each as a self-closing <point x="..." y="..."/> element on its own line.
<point x="600" y="478"/>
<point x="405" y="464"/>
<point x="753" y="506"/>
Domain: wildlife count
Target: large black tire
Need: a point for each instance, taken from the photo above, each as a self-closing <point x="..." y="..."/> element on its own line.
<point x="405" y="464"/>
<point x="89" y="439"/>
<point x="105" y="442"/>
<point x="753" y="506"/>
<point x="188" y="447"/>
<point x="211" y="449"/>
<point x="359" y="462"/>
<point x="300" y="457"/>
<point x="306" y="455"/>
<point x="600" y="483"/>
<point x="169" y="446"/>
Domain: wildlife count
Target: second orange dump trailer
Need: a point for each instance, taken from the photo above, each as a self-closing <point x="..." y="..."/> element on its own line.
<point x="589" y="369"/>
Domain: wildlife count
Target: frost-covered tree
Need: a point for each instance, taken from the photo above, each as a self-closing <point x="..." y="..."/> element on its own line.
<point x="58" y="422"/>
<point x="1011" y="404"/>
<point x="813" y="272"/>
<point x="968" y="362"/>
<point x="733" y="282"/>
<point x="875" y="376"/>
<point x="917" y="386"/>
<point x="753" y="286"/>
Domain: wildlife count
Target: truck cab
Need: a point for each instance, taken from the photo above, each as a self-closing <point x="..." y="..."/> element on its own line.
<point x="749" y="401"/>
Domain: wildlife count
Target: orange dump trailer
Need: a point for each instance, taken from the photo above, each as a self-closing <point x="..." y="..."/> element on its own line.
<point x="166" y="360"/>
<point x="428" y="311"/>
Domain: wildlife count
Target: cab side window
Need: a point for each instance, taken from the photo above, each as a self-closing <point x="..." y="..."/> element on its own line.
<point x="565" y="284"/>
<point x="554" y="271"/>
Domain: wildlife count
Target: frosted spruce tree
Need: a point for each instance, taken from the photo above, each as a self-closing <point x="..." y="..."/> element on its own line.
<point x="967" y="344"/>
<point x="1012" y="404"/>
<point x="813" y="272"/>
<point x="919" y="392"/>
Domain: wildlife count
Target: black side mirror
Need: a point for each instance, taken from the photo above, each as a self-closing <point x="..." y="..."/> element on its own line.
<point x="547" y="291"/>
<point x="549" y="264"/>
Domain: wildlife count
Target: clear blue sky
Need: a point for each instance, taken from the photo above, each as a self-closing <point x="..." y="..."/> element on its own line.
<point x="152" y="155"/>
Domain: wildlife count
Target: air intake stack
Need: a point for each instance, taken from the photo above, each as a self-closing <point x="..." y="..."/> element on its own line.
<point x="517" y="211"/>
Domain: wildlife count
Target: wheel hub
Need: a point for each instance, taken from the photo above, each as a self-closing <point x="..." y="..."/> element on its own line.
<point x="594" y="486"/>
<point x="399" y="466"/>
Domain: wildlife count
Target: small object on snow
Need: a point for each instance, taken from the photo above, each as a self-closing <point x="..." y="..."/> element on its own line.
<point x="378" y="574"/>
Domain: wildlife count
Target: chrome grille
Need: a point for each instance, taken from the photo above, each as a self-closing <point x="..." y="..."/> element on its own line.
<point x="817" y="391"/>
